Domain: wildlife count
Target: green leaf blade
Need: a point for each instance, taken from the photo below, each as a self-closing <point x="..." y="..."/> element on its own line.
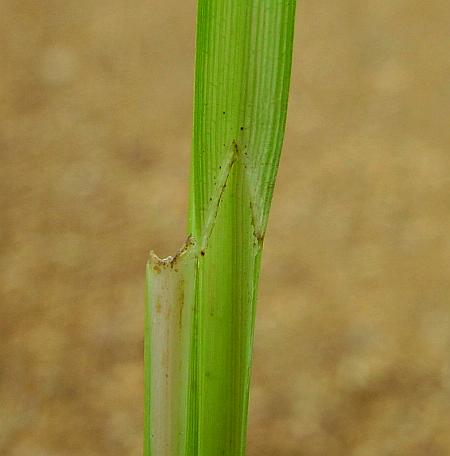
<point x="244" y="50"/>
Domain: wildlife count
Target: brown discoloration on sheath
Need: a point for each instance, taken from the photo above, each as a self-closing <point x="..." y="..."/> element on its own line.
<point x="158" y="306"/>
<point x="236" y="149"/>
<point x="259" y="237"/>
<point x="180" y="302"/>
<point x="170" y="261"/>
<point x="258" y="231"/>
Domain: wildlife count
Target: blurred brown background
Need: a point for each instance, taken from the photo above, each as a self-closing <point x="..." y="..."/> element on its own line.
<point x="352" y="350"/>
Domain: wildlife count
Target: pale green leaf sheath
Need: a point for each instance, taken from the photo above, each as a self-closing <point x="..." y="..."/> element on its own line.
<point x="170" y="298"/>
<point x="243" y="62"/>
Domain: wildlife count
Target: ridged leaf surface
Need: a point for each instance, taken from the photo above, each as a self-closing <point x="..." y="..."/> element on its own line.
<point x="243" y="63"/>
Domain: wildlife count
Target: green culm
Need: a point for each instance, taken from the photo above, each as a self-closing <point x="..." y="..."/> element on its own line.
<point x="200" y="304"/>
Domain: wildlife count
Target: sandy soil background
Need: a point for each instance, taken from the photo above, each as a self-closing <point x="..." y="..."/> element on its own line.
<point x="352" y="351"/>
